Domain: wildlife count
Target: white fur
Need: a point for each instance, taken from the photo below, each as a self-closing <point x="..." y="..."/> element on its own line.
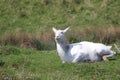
<point x="80" y="52"/>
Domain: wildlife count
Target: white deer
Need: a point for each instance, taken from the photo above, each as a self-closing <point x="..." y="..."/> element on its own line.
<point x="80" y="52"/>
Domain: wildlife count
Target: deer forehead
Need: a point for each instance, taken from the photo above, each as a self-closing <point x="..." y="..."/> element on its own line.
<point x="59" y="33"/>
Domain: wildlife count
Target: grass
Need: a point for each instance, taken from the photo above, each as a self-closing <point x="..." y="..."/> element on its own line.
<point x="45" y="40"/>
<point x="23" y="64"/>
<point x="29" y="23"/>
<point x="32" y="20"/>
<point x="37" y="16"/>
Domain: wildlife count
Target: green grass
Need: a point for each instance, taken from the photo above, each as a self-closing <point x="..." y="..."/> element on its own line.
<point x="36" y="16"/>
<point x="23" y="64"/>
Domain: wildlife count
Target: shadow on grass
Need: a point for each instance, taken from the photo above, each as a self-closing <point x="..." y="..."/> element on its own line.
<point x="2" y="63"/>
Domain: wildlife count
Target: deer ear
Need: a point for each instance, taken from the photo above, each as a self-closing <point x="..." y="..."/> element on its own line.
<point x="54" y="29"/>
<point x="66" y="30"/>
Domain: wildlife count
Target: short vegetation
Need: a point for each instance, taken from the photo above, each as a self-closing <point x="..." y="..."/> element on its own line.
<point x="28" y="24"/>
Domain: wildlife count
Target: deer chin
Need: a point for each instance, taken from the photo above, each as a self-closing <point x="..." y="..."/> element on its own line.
<point x="58" y="40"/>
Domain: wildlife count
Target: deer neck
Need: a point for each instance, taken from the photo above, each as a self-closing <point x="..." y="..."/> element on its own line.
<point x="62" y="48"/>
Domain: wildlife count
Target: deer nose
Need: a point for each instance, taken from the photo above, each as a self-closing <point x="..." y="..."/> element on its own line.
<point x="57" y="37"/>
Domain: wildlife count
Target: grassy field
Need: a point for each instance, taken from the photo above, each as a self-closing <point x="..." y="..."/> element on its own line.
<point x="28" y="24"/>
<point x="23" y="64"/>
<point x="31" y="22"/>
<point x="41" y="15"/>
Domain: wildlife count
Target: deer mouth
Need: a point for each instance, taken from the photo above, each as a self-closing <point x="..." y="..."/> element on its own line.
<point x="57" y="38"/>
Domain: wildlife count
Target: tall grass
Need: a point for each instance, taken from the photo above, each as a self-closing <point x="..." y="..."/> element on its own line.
<point x="104" y="35"/>
<point x="20" y="38"/>
<point x="45" y="41"/>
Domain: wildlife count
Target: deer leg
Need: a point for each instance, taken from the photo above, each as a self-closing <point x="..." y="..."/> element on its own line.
<point x="77" y="60"/>
<point x="105" y="58"/>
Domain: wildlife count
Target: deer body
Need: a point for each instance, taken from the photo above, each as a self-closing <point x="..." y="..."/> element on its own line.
<point x="82" y="51"/>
